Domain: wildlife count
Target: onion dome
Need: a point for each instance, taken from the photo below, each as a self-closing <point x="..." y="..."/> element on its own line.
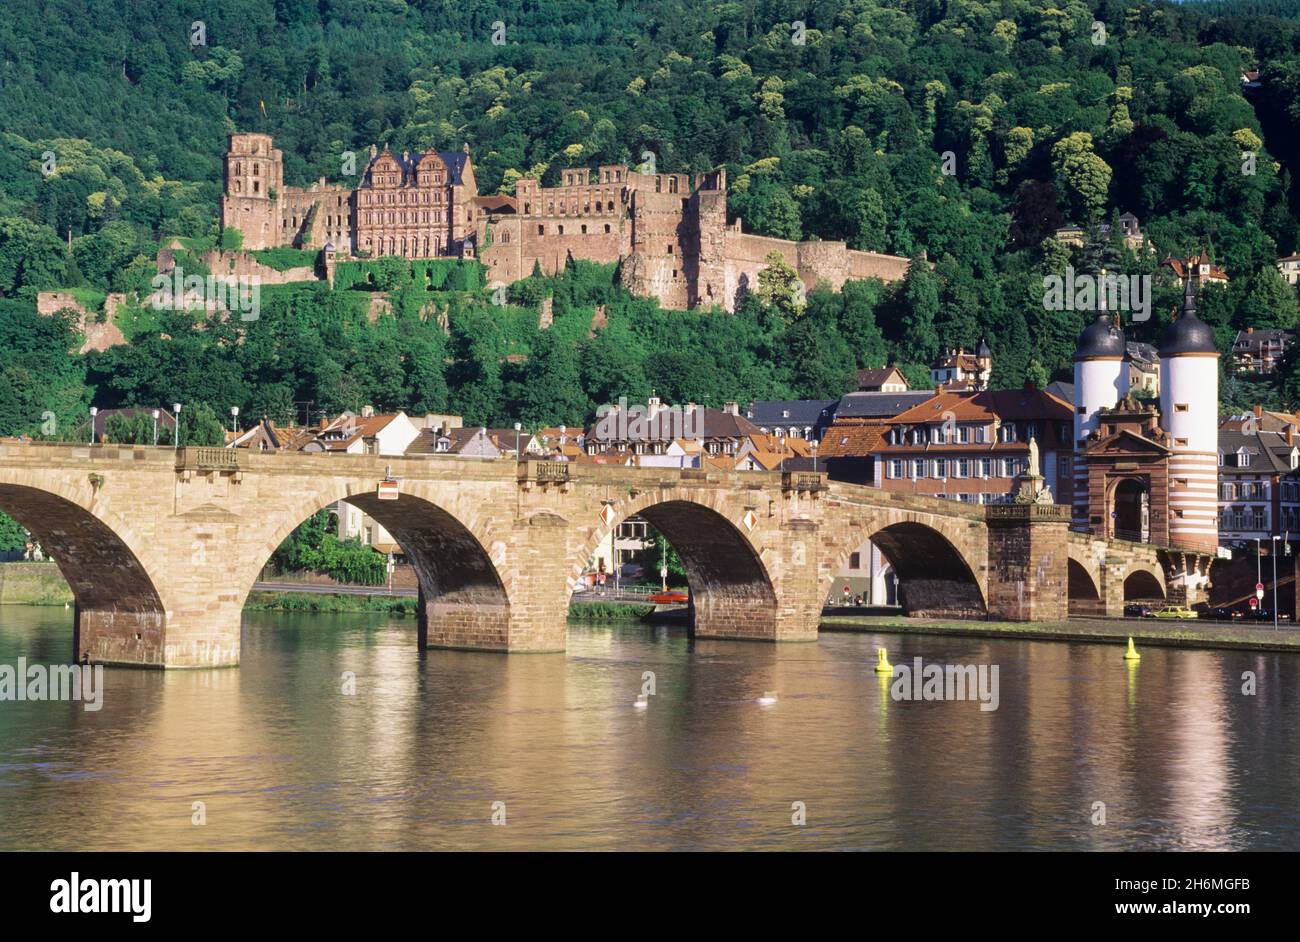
<point x="983" y="351"/>
<point x="1188" y="334"/>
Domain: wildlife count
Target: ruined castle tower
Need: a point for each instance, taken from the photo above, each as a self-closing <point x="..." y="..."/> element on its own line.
<point x="254" y="181"/>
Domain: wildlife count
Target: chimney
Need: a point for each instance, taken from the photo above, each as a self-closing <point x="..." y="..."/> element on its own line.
<point x="1290" y="434"/>
<point x="731" y="408"/>
<point x="446" y="428"/>
<point x="324" y="423"/>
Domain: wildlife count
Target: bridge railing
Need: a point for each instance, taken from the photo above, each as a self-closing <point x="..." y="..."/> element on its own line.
<point x="209" y="459"/>
<point x="812" y="481"/>
<point x="1057" y="513"/>
<point x="543" y="472"/>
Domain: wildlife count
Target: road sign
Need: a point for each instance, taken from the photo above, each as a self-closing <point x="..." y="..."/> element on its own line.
<point x="1254" y="603"/>
<point x="1259" y="590"/>
<point x="389" y="490"/>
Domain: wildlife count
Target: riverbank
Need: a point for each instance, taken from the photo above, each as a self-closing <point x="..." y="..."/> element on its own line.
<point x="320" y="602"/>
<point x="1192" y="633"/>
<point x="33" y="584"/>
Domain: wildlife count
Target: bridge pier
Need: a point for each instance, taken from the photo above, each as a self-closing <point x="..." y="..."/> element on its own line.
<point x="127" y="638"/>
<point x="1028" y="561"/>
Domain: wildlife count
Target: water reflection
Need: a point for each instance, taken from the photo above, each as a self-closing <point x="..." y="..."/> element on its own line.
<point x="283" y="757"/>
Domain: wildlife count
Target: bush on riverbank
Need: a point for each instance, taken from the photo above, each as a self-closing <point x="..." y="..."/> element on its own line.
<point x="607" y="611"/>
<point x="316" y="604"/>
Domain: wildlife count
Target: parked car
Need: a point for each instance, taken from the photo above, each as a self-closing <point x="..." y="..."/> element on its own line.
<point x="1137" y="610"/>
<point x="1176" y="611"/>
<point x="1223" y="613"/>
<point x="1264" y="614"/>
<point x="669" y="598"/>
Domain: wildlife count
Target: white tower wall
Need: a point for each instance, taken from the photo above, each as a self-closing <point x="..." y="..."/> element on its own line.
<point x="1189" y="414"/>
<point x="1098" y="384"/>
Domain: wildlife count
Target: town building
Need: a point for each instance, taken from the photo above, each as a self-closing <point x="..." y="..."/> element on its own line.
<point x="887" y="379"/>
<point x="972" y="446"/>
<point x="848" y="447"/>
<point x="1259" y="490"/>
<point x="1198" y="271"/>
<point x="1129" y="227"/>
<point x="793" y="418"/>
<point x="662" y="430"/>
<point x="1258" y="351"/>
<point x="1289" y="266"/>
<point x="668" y="232"/>
<point x="454" y="442"/>
<point x="958" y="370"/>
<point x="1143" y="370"/>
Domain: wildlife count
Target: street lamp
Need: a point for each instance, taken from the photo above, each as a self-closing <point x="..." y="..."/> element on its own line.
<point x="176" y="427"/>
<point x="813" y="446"/>
<point x="518" y="426"/>
<point x="155" y="428"/>
<point x="1275" y="582"/>
<point x="93" y="412"/>
<point x="234" y="419"/>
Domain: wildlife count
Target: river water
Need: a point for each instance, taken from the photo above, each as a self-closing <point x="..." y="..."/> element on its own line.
<point x="431" y="746"/>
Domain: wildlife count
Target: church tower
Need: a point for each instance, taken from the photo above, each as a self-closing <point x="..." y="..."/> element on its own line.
<point x="1189" y="414"/>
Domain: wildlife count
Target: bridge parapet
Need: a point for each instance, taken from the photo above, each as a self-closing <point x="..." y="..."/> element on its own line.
<point x="543" y="473"/>
<point x="1022" y="513"/>
<point x="209" y="459"/>
<point x="804" y="482"/>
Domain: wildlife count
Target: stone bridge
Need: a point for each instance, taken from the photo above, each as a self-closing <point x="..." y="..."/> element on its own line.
<point x="162" y="547"/>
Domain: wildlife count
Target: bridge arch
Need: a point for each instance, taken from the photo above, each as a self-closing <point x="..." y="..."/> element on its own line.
<point x="464" y="599"/>
<point x="932" y="557"/>
<point x="1083" y="590"/>
<point x="120" y="615"/>
<point x="1143" y="584"/>
<point x="732" y="590"/>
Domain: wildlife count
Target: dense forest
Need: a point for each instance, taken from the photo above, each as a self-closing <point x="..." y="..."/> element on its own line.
<point x="964" y="132"/>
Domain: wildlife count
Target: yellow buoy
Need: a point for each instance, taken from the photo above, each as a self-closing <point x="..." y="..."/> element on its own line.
<point x="882" y="662"/>
<point x="1131" y="654"/>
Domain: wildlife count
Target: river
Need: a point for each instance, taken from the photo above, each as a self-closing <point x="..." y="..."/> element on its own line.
<point x="432" y="746"/>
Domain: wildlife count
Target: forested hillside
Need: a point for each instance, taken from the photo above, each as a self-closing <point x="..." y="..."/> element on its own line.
<point x="961" y="130"/>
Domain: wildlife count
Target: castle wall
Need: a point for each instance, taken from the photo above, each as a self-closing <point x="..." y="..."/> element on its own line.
<point x="668" y="230"/>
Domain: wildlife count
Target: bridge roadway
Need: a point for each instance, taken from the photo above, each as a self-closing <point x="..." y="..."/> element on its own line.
<point x="162" y="547"/>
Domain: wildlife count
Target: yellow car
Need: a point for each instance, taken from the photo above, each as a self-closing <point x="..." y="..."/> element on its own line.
<point x="1176" y="611"/>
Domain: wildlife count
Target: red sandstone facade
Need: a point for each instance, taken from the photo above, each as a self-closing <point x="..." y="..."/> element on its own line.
<point x="669" y="231"/>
